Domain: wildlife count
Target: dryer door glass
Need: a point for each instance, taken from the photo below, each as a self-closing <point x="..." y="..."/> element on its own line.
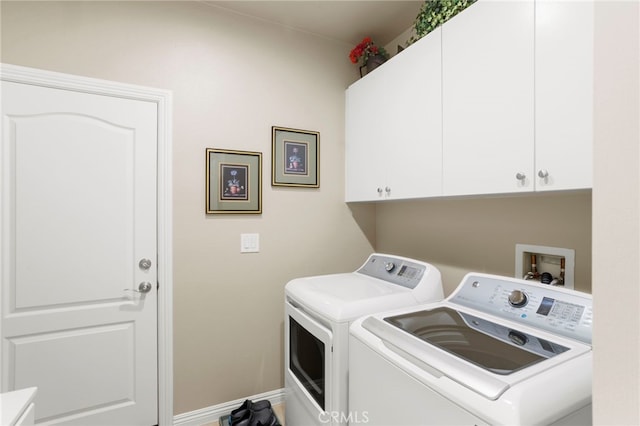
<point x="307" y="360"/>
<point x="491" y="346"/>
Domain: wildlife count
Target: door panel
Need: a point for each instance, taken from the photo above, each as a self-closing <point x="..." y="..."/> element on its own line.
<point x="57" y="239"/>
<point x="79" y="212"/>
<point x="365" y="170"/>
<point x="564" y="94"/>
<point x="48" y="358"/>
<point x="487" y="87"/>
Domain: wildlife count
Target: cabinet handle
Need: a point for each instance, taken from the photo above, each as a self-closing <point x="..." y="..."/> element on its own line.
<point x="521" y="176"/>
<point x="543" y="173"/>
<point x="387" y="190"/>
<point x="379" y="190"/>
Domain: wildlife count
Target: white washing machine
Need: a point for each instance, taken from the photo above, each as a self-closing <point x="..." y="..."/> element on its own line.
<point x="318" y="313"/>
<point x="497" y="351"/>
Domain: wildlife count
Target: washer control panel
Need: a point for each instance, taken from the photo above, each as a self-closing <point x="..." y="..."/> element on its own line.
<point x="396" y="270"/>
<point x="554" y="309"/>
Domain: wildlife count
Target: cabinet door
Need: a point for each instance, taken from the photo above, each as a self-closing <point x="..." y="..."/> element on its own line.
<point x="488" y="103"/>
<point x="364" y="115"/>
<point x="564" y="94"/>
<point x="413" y="137"/>
<point x="394" y="127"/>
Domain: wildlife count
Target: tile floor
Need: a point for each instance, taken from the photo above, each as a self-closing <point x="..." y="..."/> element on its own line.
<point x="279" y="410"/>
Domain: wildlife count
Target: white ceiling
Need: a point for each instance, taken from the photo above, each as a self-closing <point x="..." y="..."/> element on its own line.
<point x="345" y="21"/>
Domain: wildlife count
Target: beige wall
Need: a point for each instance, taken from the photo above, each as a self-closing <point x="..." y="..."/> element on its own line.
<point x="232" y="79"/>
<point x="461" y="235"/>
<point x="616" y="215"/>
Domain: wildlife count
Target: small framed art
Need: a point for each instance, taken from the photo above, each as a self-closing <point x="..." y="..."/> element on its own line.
<point x="233" y="181"/>
<point x="295" y="157"/>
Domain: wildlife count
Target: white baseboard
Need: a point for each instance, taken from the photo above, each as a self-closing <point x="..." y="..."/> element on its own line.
<point x="213" y="413"/>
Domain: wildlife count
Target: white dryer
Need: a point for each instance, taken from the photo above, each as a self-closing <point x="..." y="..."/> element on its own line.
<point x="498" y="351"/>
<point x="318" y="313"/>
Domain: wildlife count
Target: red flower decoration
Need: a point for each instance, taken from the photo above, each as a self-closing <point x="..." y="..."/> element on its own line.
<point x="364" y="50"/>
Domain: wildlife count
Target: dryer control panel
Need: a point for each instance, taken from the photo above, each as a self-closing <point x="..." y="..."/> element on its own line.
<point x="557" y="310"/>
<point x="397" y="270"/>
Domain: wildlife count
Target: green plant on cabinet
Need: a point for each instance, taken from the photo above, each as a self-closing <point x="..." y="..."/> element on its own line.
<point x="434" y="13"/>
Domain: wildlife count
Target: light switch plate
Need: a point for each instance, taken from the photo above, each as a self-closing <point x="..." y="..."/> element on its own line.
<point x="249" y="243"/>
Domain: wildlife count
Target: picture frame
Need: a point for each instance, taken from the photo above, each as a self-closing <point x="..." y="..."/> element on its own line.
<point x="295" y="157"/>
<point x="233" y="182"/>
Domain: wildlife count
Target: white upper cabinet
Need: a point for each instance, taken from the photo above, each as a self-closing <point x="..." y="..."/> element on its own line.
<point x="497" y="100"/>
<point x="365" y="112"/>
<point x="488" y="99"/>
<point x="564" y="94"/>
<point x="394" y="127"/>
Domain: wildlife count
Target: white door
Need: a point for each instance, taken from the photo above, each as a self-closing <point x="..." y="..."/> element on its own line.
<point x="487" y="94"/>
<point x="78" y="220"/>
<point x="564" y="95"/>
<point x="393" y="144"/>
<point x="365" y="170"/>
<point x="414" y="121"/>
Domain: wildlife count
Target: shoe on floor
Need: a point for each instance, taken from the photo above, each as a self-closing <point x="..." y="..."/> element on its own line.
<point x="241" y="416"/>
<point x="264" y="417"/>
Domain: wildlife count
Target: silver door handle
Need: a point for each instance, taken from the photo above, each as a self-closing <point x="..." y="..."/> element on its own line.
<point x="144" y="287"/>
<point x="144" y="264"/>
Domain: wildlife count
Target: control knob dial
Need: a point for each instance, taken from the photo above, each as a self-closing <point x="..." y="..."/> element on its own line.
<point x="389" y="266"/>
<point x="518" y="298"/>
